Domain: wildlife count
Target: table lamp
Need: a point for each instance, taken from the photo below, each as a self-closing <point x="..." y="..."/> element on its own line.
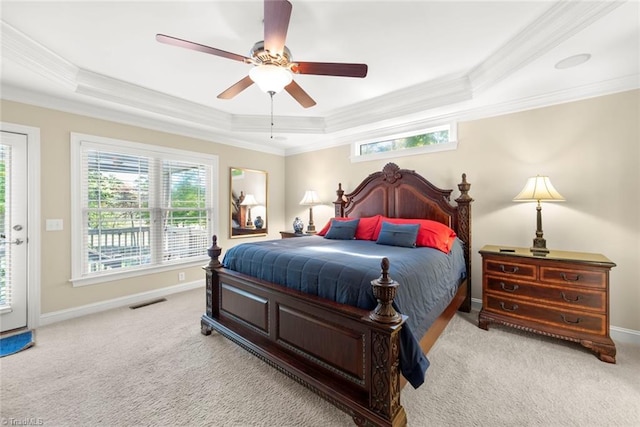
<point x="310" y="199"/>
<point x="539" y="189"/>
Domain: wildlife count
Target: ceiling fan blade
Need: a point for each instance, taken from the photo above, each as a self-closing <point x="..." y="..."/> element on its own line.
<point x="299" y="94"/>
<point x="330" y="69"/>
<point x="276" y="23"/>
<point x="236" y="88"/>
<point x="162" y="38"/>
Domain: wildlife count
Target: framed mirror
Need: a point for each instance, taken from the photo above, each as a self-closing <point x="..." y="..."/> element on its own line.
<point x="248" y="207"/>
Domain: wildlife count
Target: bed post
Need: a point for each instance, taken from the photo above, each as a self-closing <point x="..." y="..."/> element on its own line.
<point x="339" y="203"/>
<point x="384" y="397"/>
<point x="464" y="232"/>
<point x="212" y="284"/>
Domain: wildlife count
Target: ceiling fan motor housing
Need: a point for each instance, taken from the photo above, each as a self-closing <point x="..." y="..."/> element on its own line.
<point x="264" y="57"/>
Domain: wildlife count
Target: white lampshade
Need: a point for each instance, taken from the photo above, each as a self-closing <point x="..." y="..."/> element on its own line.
<point x="538" y="188"/>
<point x="310" y="198"/>
<point x="270" y="78"/>
<point x="249" y="200"/>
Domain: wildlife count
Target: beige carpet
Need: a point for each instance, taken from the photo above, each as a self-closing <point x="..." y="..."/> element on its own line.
<point x="151" y="366"/>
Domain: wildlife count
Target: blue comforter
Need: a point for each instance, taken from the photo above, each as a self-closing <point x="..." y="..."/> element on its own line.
<point x="342" y="271"/>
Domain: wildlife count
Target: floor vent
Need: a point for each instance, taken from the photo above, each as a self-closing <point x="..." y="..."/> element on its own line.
<point x="144" y="304"/>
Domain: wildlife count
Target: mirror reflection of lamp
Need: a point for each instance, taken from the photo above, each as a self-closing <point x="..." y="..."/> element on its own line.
<point x="310" y="199"/>
<point x="249" y="201"/>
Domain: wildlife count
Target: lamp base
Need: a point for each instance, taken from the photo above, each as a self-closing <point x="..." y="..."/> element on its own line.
<point x="539" y="246"/>
<point x="311" y="229"/>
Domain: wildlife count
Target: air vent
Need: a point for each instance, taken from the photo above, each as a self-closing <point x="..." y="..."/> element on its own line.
<point x="144" y="304"/>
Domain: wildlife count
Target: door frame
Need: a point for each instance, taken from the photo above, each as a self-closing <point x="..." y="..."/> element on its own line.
<point x="33" y="218"/>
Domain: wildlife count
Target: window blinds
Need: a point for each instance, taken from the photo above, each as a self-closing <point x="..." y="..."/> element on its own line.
<point x="142" y="209"/>
<point x="5" y="228"/>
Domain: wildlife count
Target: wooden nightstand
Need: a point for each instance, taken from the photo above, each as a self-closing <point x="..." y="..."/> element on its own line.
<point x="288" y="234"/>
<point x="563" y="295"/>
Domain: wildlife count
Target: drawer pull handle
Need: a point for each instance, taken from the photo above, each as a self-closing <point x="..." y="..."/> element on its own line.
<point x="504" y="307"/>
<point x="576" y="299"/>
<point x="512" y="270"/>
<point x="569" y="279"/>
<point x="504" y="287"/>
<point x="565" y="320"/>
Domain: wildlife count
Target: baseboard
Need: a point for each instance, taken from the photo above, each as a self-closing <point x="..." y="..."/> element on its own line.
<point x="71" y="313"/>
<point x="617" y="333"/>
<point x="624" y="335"/>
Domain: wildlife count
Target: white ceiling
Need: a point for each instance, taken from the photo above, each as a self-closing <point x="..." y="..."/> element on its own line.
<point x="429" y="62"/>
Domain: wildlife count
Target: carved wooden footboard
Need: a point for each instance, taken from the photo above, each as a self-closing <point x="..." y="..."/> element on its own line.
<point x="347" y="355"/>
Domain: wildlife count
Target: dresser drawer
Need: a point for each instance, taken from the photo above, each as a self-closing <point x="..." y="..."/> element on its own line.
<point x="582" y="299"/>
<point x="508" y="268"/>
<point x="590" y="323"/>
<point x="573" y="276"/>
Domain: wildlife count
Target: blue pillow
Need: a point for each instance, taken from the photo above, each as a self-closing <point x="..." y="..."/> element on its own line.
<point x="342" y="230"/>
<point x="398" y="234"/>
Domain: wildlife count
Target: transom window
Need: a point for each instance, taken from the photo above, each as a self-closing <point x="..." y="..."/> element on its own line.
<point x="439" y="138"/>
<point x="137" y="207"/>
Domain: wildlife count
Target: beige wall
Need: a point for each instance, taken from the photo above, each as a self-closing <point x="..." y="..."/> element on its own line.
<point x="591" y="151"/>
<point x="57" y="293"/>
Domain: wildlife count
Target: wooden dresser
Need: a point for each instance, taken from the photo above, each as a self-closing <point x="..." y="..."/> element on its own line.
<point x="563" y="295"/>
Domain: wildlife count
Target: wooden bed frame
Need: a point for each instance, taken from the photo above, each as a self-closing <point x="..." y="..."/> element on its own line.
<point x="347" y="355"/>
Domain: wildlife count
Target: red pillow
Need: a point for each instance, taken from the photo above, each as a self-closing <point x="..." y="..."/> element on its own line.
<point x="432" y="234"/>
<point x="366" y="227"/>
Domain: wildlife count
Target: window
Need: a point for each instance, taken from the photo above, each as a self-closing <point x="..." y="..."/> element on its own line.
<point x="137" y="207"/>
<point x="434" y="139"/>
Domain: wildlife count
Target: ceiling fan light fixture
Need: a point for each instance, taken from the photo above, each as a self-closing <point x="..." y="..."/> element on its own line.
<point x="270" y="78"/>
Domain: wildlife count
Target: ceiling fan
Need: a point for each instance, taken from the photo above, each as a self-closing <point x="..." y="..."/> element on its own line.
<point x="273" y="65"/>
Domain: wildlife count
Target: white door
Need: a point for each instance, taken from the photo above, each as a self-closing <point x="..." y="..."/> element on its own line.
<point x="13" y="231"/>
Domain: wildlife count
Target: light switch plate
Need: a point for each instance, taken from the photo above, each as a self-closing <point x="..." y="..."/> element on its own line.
<point x="54" y="225"/>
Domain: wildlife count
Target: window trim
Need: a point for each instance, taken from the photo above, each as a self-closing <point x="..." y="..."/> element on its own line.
<point x="77" y="142"/>
<point x="426" y="149"/>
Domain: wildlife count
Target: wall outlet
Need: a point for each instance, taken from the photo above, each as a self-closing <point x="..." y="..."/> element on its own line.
<point x="181" y="276"/>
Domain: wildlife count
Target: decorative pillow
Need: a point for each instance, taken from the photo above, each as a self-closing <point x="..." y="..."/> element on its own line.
<point x="342" y="230"/>
<point x="432" y="234"/>
<point x="436" y="235"/>
<point x="366" y="227"/>
<point x="398" y="234"/>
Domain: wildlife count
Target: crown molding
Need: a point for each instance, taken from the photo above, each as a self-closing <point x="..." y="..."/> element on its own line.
<point x="467" y="111"/>
<point x="561" y="21"/>
<point x="110" y="89"/>
<point x="578" y="93"/>
<point x="631" y="82"/>
<point x="134" y="118"/>
<point x="18" y="47"/>
<point x="425" y="96"/>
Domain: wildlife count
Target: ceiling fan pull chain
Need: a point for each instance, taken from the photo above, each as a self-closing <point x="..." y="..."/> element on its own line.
<point x="271" y="93"/>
